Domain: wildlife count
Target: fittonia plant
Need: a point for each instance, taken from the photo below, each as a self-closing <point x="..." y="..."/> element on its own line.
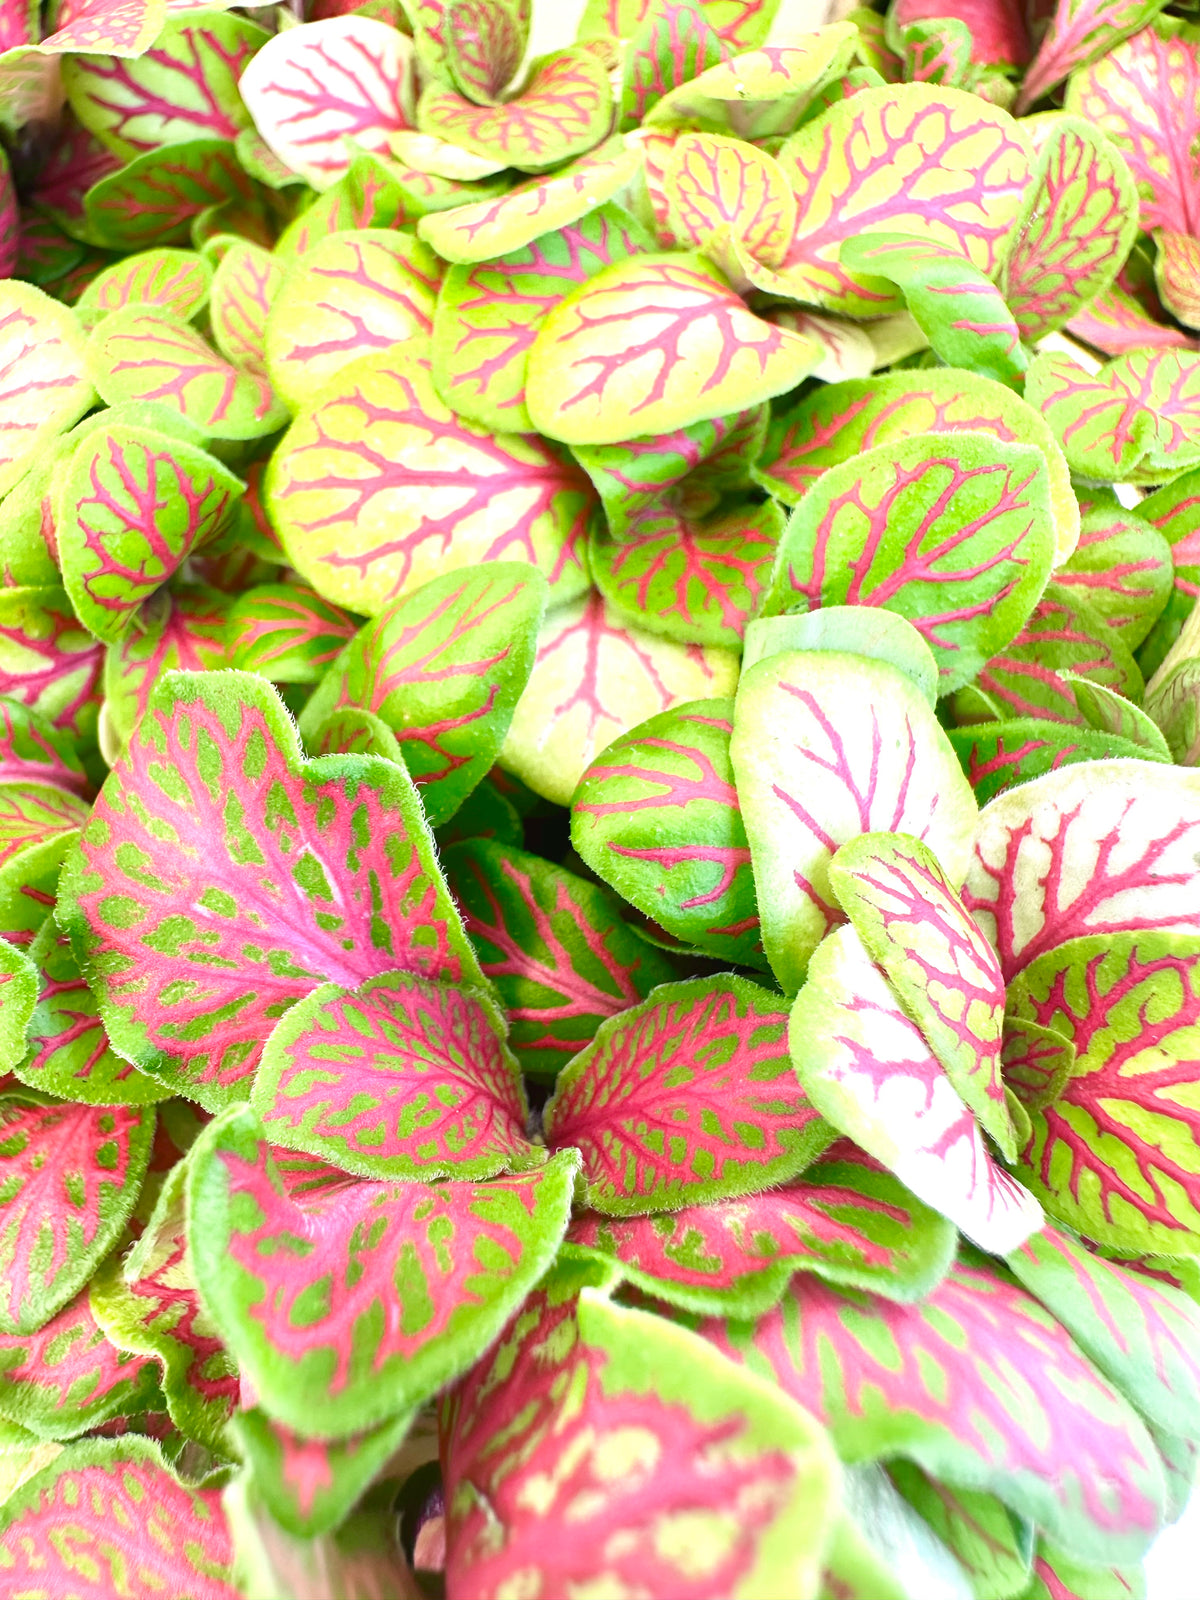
<point x="599" y="798"/>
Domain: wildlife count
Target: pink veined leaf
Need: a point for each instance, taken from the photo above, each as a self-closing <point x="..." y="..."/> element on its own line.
<point x="71" y="1177"/>
<point x="182" y="628"/>
<point x="312" y="88"/>
<point x="659" y="1101"/>
<point x="1095" y="850"/>
<point x="846" y="1219"/>
<point x="596" y="676"/>
<point x="32" y="750"/>
<point x="936" y="959"/>
<point x="378" y="487"/>
<point x="353" y="293"/>
<point x="18" y="24"/>
<point x="345" y="884"/>
<point x="44" y="387"/>
<point x="67" y="1378"/>
<point x="692" y="1512"/>
<point x="988" y="1543"/>
<point x="1122" y="567"/>
<point x="485" y="43"/>
<point x="657" y="816"/>
<point x="808" y="781"/>
<point x="145" y="354"/>
<point x="998" y="755"/>
<point x="1140" y="1331"/>
<point x="969" y="1384"/>
<point x="1080" y="32"/>
<point x="105" y="27"/>
<point x="156" y="198"/>
<point x="690" y="349"/>
<point x="674" y="44"/>
<point x="554" y="945"/>
<point x="1116" y="324"/>
<point x="1176" y="272"/>
<point x="740" y="24"/>
<point x="177" y="280"/>
<point x="287" y="633"/>
<point x="859" y="168"/>
<point x="871" y="1072"/>
<point x="696" y="581"/>
<point x="32" y="812"/>
<point x="1148" y="83"/>
<point x="48" y="662"/>
<point x="1036" y="1062"/>
<point x="1117" y="1154"/>
<point x="1058" y="1575"/>
<point x="244" y="286"/>
<point x="998" y="28"/>
<point x="563" y="110"/>
<point x="74" y="163"/>
<point x="380" y="1337"/>
<point x="106" y="1517"/>
<point x="185" y="86"/>
<point x="403" y="1079"/>
<point x="443" y="668"/>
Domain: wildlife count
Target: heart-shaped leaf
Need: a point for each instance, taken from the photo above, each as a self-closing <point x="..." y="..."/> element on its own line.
<point x="378" y="487"/>
<point x="968" y="1384"/>
<point x="689" y="350"/>
<point x="71" y="1175"/>
<point x="345" y="882"/>
<point x="554" y="946"/>
<point x="661" y="1103"/>
<point x="357" y="1300"/>
<point x="312" y="89"/>
<point x="352" y="293"/>
<point x="868" y="1069"/>
<point x="403" y="1079"/>
<point x="657" y="816"/>
<point x="1091" y="851"/>
<point x="954" y="532"/>
<point x="443" y="667"/>
<point x="809" y="781"/>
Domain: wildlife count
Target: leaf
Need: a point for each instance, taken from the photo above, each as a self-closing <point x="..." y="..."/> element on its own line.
<point x="145" y="354"/>
<point x="244" y="285"/>
<point x="148" y="1303"/>
<point x="67" y="1378"/>
<point x="564" y="109"/>
<point x="489" y="313"/>
<point x="108" y="1513"/>
<point x="1095" y="851"/>
<point x="366" y="515"/>
<point x="1078" y="34"/>
<point x="1062" y="638"/>
<point x="359" y="1300"/>
<point x="679" y="1100"/>
<point x="155" y="199"/>
<point x="674" y="44"/>
<point x="594" y="678"/>
<point x="1060" y="1576"/>
<point x="554" y="946"/>
<point x="721" y="1489"/>
<point x="182" y="628"/>
<point x="38" y="825"/>
<point x="1176" y="271"/>
<point x="990" y="1544"/>
<point x="657" y="816"/>
<point x="137" y="505"/>
<point x="312" y="89"/>
<point x="938" y="963"/>
<point x="443" y="667"/>
<point x="997" y="756"/>
<point x="870" y="1071"/>
<point x="1074" y="229"/>
<point x="954" y="532"/>
<point x="352" y="293"/>
<point x="723" y="191"/>
<point x="953" y="302"/>
<point x="403" y="1079"/>
<point x="287" y="633"/>
<point x="850" y="630"/>
<point x="18" y="998"/>
<point x="114" y="27"/>
<point x="1130" y="94"/>
<point x="177" y="280"/>
<point x="1116" y="1155"/>
<point x="969" y="1384"/>
<point x="1115" y="323"/>
<point x="44" y="387"/>
<point x="690" y="350"/>
<point x="845" y="1219"/>
<point x="18" y="24"/>
<point x="507" y="222"/>
<point x="311" y="1485"/>
<point x="185" y="86"/>
<point x="345" y="885"/>
<point x="695" y="581"/>
<point x="860" y="168"/>
<point x="761" y="92"/>
<point x="68" y="1051"/>
<point x="1036" y="1061"/>
<point x="808" y="783"/>
<point x="1122" y="567"/>
<point x="71" y="1177"/>
<point x="838" y="422"/>
<point x="47" y="661"/>
<point x="1139" y="1331"/>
